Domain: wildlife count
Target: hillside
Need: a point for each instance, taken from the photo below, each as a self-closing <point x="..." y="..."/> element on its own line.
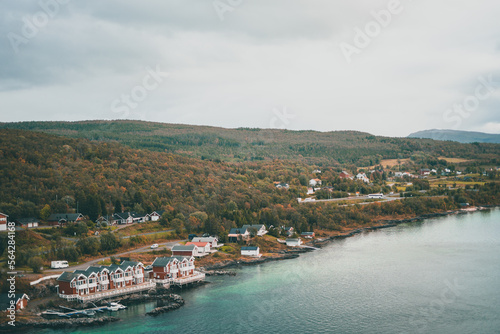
<point x="245" y="144"/>
<point x="458" y="136"/>
<point x="42" y="174"/>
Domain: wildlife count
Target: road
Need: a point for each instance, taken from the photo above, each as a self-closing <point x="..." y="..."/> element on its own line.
<point x="84" y="265"/>
<point x="392" y="197"/>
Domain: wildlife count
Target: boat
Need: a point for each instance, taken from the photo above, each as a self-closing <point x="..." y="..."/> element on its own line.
<point x="115" y="307"/>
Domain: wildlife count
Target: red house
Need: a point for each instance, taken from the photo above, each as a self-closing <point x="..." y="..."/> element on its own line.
<point x="20" y="300"/>
<point x="185" y="250"/>
<point x="95" y="282"/>
<point x="3" y="221"/>
<point x="172" y="267"/>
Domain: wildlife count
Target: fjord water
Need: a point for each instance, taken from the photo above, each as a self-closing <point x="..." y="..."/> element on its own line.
<point x="436" y="276"/>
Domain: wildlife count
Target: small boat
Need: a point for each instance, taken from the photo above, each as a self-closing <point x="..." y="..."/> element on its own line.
<point x="115" y="307"/>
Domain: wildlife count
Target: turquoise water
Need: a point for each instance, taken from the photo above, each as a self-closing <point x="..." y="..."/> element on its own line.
<point x="436" y="276"/>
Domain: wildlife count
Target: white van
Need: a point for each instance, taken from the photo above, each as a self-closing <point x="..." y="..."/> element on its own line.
<point x="59" y="264"/>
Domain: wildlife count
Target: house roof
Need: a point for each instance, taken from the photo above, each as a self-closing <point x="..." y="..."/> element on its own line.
<point x="198" y="244"/>
<point x="3" y="214"/>
<point x="137" y="215"/>
<point x="25" y="221"/>
<point x="164" y="261"/>
<point x="121" y="215"/>
<point x="238" y="230"/>
<point x="256" y="226"/>
<point x="204" y="239"/>
<point x="64" y="216"/>
<point x="183" y="248"/>
<point x="67" y="276"/>
<point x="292" y="239"/>
<point x="288" y="228"/>
<point x="250" y="248"/>
<point x="307" y="233"/>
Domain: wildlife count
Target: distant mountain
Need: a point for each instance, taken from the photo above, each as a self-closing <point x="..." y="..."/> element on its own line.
<point x="458" y="136"/>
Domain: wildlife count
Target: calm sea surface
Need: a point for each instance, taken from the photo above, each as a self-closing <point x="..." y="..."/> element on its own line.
<point x="437" y="276"/>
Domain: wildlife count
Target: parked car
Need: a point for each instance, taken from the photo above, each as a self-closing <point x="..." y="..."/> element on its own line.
<point x="153" y="246"/>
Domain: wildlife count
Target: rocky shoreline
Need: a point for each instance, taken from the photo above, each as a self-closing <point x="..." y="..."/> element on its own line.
<point x="57" y="323"/>
<point x="166" y="301"/>
<point x="238" y="263"/>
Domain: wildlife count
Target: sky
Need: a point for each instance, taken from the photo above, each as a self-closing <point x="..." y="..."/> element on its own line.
<point x="384" y="67"/>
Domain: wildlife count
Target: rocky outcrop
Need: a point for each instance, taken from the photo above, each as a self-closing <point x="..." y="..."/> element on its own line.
<point x="174" y="302"/>
<point x="217" y="272"/>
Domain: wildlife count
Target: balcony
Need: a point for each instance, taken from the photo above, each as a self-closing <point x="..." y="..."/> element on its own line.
<point x="110" y="293"/>
<point x="196" y="277"/>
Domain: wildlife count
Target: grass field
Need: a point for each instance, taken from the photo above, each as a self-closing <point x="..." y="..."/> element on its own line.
<point x="453" y="160"/>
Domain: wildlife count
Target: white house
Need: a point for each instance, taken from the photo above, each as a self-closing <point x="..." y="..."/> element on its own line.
<point x="261" y="229"/>
<point x="211" y="240"/>
<point x="155" y="215"/>
<point x="203" y="247"/>
<point x="293" y="242"/>
<point x="250" y="251"/>
<point x="362" y="177"/>
<point x="314" y="182"/>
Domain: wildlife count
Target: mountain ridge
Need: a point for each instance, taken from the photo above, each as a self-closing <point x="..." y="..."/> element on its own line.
<point x="457" y="135"/>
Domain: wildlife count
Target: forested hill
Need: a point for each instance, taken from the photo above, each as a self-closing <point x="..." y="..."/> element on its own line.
<point x="243" y="144"/>
<point x="458" y="136"/>
<point x="42" y="174"/>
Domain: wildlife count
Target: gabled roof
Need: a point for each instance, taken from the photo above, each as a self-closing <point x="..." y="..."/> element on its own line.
<point x="159" y="212"/>
<point x="164" y="261"/>
<point x="121" y="215"/>
<point x="64" y="216"/>
<point x="250" y="248"/>
<point x="198" y="244"/>
<point x="238" y="230"/>
<point x="183" y="248"/>
<point x="137" y="215"/>
<point x="204" y="239"/>
<point x="90" y="270"/>
<point x="68" y="277"/>
<point x="307" y="233"/>
<point x="30" y="220"/>
<point x="256" y="226"/>
<point x="3" y="214"/>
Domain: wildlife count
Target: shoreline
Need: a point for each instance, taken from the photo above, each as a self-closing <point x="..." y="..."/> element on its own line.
<point x="295" y="252"/>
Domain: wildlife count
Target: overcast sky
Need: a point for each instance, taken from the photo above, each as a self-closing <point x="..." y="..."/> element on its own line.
<point x="297" y="64"/>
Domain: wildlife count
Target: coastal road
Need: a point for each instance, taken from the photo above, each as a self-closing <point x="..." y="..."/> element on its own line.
<point x="83" y="266"/>
<point x="389" y="198"/>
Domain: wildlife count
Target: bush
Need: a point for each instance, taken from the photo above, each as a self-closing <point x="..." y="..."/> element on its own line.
<point x="36" y="263"/>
